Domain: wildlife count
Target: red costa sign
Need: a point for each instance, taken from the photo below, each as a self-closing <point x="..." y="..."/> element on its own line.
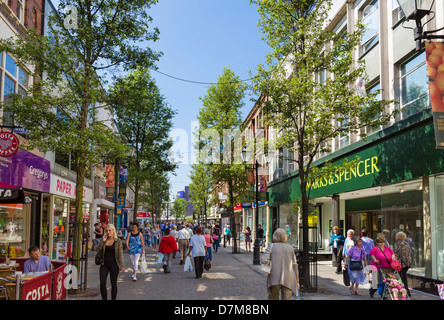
<point x="8" y="144"/>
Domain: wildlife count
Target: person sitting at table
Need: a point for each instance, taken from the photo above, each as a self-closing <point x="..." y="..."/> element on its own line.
<point x="36" y="262"/>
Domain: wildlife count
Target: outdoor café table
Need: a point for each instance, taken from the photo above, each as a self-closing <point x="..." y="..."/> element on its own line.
<point x="14" y="287"/>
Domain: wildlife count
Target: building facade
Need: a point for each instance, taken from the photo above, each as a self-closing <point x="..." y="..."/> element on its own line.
<point x="397" y="184"/>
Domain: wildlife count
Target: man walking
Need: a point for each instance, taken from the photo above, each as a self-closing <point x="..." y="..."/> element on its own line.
<point x="184" y="240"/>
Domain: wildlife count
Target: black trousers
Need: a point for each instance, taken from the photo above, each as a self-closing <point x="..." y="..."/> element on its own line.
<point x="198" y="266"/>
<point x="403" y="275"/>
<point x="113" y="270"/>
<point x="337" y="256"/>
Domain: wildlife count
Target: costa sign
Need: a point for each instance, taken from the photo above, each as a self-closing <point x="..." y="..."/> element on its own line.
<point x="8" y="144"/>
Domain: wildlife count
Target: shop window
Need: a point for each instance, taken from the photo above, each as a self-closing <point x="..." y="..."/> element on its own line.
<point x="13" y="226"/>
<point x="370" y="19"/>
<point x="60" y="227"/>
<point x="402" y="210"/>
<point x="288" y="220"/>
<point x="414" y="85"/>
<point x="438" y="229"/>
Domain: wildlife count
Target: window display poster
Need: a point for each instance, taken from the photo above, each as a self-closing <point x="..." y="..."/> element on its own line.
<point x="64" y="251"/>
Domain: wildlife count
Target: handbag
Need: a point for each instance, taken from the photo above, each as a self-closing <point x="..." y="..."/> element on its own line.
<point x="346" y="278"/>
<point x="266" y="267"/>
<point x="396" y="265"/>
<point x="356" y="265"/>
<point x="99" y="257"/>
<point x="159" y="257"/>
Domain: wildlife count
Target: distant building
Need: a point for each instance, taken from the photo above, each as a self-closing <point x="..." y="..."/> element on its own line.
<point x="185" y="194"/>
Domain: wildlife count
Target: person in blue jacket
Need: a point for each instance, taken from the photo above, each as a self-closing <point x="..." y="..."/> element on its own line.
<point x="337" y="241"/>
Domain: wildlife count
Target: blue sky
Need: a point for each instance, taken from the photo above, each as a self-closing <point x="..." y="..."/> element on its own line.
<point x="198" y="39"/>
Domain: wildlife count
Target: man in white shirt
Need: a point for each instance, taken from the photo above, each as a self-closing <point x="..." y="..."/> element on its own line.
<point x="183" y="236"/>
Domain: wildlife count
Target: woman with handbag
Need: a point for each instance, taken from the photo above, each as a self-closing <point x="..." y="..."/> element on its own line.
<point x="381" y="256"/>
<point x="111" y="249"/>
<point x="283" y="277"/>
<point x="355" y="264"/>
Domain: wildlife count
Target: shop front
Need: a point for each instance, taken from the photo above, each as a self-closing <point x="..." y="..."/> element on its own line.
<point x="20" y="226"/>
<point x="60" y="217"/>
<point x="395" y="185"/>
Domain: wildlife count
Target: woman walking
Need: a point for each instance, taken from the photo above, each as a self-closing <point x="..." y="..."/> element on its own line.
<point x="381" y="256"/>
<point x="284" y="277"/>
<point x="403" y="253"/>
<point x="136" y="247"/>
<point x="155" y="237"/>
<point x="216" y="237"/>
<point x="209" y="242"/>
<point x="355" y="264"/>
<point x="167" y="247"/>
<point x="248" y="239"/>
<point x="112" y="250"/>
<point x="337" y="241"/>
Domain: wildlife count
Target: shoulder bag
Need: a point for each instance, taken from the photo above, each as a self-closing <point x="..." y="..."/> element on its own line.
<point x="99" y="257"/>
<point x="266" y="267"/>
<point x="356" y="265"/>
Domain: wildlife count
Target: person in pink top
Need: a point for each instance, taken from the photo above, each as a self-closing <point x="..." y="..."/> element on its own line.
<point x="209" y="241"/>
<point x="380" y="257"/>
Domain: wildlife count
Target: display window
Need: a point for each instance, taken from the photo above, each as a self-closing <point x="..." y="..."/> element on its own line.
<point x="60" y="225"/>
<point x="14" y="221"/>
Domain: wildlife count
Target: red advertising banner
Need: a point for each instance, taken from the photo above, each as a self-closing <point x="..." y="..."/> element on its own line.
<point x="58" y="285"/>
<point x="110" y="181"/>
<point x="38" y="288"/>
<point x="435" y="72"/>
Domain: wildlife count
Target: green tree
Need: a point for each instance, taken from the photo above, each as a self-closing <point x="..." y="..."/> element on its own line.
<point x="219" y="118"/>
<point x="155" y="194"/>
<point x="60" y="110"/>
<point x="308" y="113"/>
<point x="180" y="208"/>
<point x="201" y="187"/>
<point x="144" y="120"/>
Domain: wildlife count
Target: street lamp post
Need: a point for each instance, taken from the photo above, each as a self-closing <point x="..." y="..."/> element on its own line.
<point x="416" y="10"/>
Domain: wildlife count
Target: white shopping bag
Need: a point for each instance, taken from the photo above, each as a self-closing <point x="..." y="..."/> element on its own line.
<point x="143" y="265"/>
<point x="159" y="258"/>
<point x="188" y="267"/>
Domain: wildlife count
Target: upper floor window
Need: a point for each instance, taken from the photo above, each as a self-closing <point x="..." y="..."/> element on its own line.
<point x="413" y="80"/>
<point x="397" y="13"/>
<point x="370" y="19"/>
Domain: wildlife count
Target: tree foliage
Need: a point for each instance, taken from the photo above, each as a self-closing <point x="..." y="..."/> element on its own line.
<point x="144" y="120"/>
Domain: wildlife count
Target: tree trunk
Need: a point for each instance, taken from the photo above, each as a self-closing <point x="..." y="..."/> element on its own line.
<point x="305" y="252"/>
<point x="78" y="223"/>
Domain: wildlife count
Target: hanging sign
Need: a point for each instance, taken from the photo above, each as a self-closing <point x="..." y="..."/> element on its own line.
<point x="8" y="144"/>
<point x="435" y="72"/>
<point x="11" y="194"/>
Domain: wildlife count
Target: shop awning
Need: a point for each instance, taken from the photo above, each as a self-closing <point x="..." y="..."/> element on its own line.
<point x="11" y="194"/>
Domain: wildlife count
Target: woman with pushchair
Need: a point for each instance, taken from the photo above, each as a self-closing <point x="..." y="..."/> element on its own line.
<point x="381" y="256"/>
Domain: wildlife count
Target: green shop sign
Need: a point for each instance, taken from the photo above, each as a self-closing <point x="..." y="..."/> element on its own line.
<point x="406" y="155"/>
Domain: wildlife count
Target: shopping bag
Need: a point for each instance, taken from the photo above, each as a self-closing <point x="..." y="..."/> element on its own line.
<point x="159" y="258"/>
<point x="188" y="267"/>
<point x="266" y="267"/>
<point x="143" y="265"/>
<point x="346" y="278"/>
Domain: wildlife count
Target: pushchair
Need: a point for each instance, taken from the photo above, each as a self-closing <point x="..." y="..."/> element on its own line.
<point x="384" y="287"/>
